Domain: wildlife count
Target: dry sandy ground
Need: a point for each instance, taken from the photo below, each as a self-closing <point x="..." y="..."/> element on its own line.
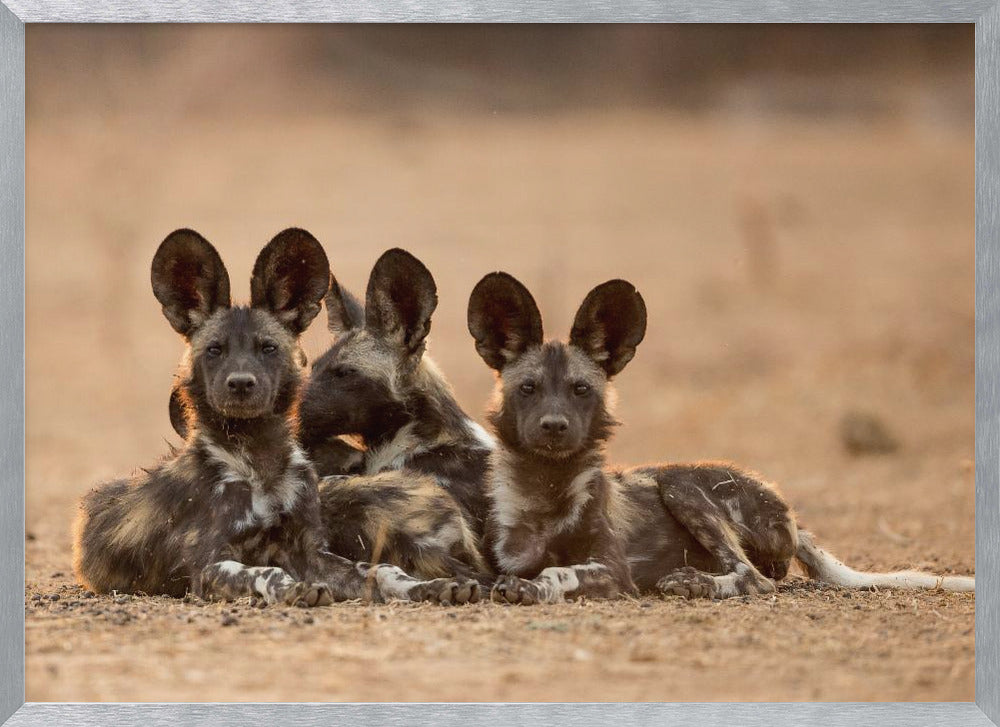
<point x="794" y="272"/>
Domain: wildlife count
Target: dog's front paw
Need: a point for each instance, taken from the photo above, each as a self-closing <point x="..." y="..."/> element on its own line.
<point x="687" y="582"/>
<point x="752" y="583"/>
<point x="446" y="591"/>
<point x="511" y="589"/>
<point x="307" y="595"/>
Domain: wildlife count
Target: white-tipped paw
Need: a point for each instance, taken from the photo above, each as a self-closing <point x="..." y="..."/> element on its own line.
<point x="446" y="591"/>
<point x="511" y="589"/>
<point x="687" y="582"/>
<point x="307" y="595"/>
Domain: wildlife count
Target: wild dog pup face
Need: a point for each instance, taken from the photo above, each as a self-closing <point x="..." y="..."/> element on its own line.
<point x="362" y="384"/>
<point x="242" y="362"/>
<point x="551" y="397"/>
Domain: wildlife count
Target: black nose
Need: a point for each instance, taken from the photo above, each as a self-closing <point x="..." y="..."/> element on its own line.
<point x="241" y="384"/>
<point x="554" y="424"/>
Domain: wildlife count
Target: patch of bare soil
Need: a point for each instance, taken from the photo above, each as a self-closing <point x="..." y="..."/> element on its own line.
<point x="807" y="642"/>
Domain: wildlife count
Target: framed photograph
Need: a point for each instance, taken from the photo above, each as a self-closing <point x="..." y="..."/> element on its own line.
<point x="544" y="362"/>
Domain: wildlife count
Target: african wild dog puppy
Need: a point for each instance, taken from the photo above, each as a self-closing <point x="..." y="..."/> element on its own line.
<point x="563" y="524"/>
<point x="235" y="511"/>
<point x="421" y="499"/>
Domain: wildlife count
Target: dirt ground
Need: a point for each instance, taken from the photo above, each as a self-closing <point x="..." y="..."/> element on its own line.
<point x="795" y="272"/>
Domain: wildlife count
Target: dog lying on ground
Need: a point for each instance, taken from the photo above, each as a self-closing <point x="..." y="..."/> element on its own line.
<point x="423" y="459"/>
<point x="235" y="512"/>
<point x="563" y="524"/>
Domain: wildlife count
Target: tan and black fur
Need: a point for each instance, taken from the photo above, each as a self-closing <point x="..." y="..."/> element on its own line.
<point x="235" y="511"/>
<point x="403" y="518"/>
<point x="564" y="524"/>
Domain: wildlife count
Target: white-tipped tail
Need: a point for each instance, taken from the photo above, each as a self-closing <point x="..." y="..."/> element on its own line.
<point x="825" y="567"/>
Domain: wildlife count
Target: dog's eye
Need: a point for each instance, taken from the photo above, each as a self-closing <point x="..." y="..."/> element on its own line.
<point x="269" y="348"/>
<point x="528" y="388"/>
<point x="344" y="372"/>
<point x="214" y="350"/>
<point x="581" y="389"/>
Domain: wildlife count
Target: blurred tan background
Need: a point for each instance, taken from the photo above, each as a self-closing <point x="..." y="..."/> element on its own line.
<point x="794" y="203"/>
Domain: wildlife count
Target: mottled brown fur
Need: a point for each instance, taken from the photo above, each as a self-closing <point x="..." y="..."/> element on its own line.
<point x="400" y="518"/>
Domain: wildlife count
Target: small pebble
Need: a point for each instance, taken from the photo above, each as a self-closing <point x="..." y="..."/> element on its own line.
<point x="54" y="597"/>
<point x="229" y="620"/>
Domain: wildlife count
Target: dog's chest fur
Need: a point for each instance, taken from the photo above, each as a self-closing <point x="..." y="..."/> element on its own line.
<point x="258" y="490"/>
<point x="540" y="516"/>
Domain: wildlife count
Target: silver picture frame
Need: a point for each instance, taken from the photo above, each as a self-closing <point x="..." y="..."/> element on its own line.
<point x="985" y="14"/>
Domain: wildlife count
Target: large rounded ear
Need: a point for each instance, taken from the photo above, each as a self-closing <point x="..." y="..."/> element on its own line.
<point x="400" y="300"/>
<point x="503" y="319"/>
<point x="189" y="280"/>
<point x="344" y="312"/>
<point x="290" y="278"/>
<point x="610" y="324"/>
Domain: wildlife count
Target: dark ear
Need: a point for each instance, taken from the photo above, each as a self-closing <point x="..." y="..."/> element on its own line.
<point x="503" y="319"/>
<point x="178" y="412"/>
<point x="610" y="324"/>
<point x="290" y="278"/>
<point x="189" y="280"/>
<point x="400" y="300"/>
<point x="344" y="312"/>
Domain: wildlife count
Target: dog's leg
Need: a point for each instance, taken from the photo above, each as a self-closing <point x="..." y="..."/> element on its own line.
<point x="711" y="527"/>
<point x="228" y="580"/>
<point x="381" y="582"/>
<point x="553" y="585"/>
